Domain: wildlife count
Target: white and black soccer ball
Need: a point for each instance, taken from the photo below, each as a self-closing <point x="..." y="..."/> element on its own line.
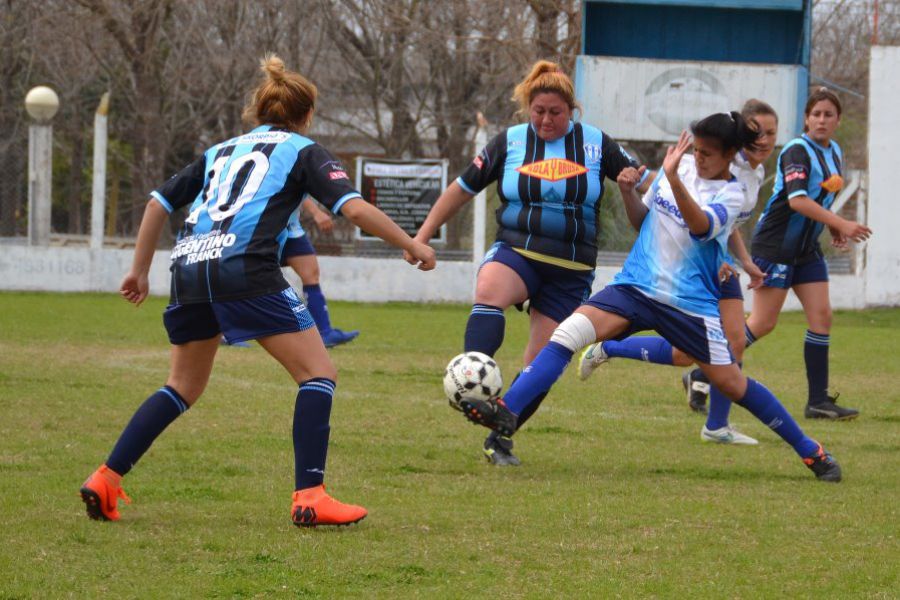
<point x="472" y="375"/>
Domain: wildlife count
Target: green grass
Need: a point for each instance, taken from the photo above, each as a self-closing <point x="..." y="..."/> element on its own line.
<point x="617" y="496"/>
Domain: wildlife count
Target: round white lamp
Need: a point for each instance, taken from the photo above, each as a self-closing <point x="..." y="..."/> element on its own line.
<point x="41" y="103"/>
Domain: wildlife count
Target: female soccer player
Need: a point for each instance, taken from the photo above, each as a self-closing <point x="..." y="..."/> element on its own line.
<point x="786" y="244"/>
<point x="298" y="254"/>
<point x="226" y="280"/>
<point x="549" y="173"/>
<point x="747" y="167"/>
<point x="669" y="283"/>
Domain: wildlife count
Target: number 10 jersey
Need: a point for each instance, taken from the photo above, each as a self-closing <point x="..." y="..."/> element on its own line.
<point x="241" y="194"/>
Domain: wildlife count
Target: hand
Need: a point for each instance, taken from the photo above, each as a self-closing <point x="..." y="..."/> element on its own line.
<point x="421" y="255"/>
<point x="629" y="178"/>
<point x="838" y="239"/>
<point x="853" y="231"/>
<point x="757" y="275"/>
<point x="726" y="272"/>
<point x="324" y="222"/>
<point x="674" y="154"/>
<point x="135" y="287"/>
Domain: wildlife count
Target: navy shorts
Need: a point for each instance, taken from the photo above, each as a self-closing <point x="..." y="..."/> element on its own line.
<point x="699" y="337"/>
<point x="731" y="289"/>
<point x="238" y="320"/>
<point x="300" y="246"/>
<point x="553" y="291"/>
<point x="786" y="276"/>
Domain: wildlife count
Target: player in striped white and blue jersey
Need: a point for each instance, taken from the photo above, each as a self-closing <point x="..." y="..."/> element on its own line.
<point x="669" y="283"/>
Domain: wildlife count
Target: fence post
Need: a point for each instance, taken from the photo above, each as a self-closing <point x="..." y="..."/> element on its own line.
<point x="98" y="182"/>
<point x="41" y="103"/>
<point x="480" y="207"/>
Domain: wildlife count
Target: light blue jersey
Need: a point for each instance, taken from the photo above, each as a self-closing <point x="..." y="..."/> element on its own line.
<point x="669" y="264"/>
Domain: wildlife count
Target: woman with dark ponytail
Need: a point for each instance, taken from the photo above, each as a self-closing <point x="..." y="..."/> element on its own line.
<point x="786" y="244"/>
<point x="670" y="283"/>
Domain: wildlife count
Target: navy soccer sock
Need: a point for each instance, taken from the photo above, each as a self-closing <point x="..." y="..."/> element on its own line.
<point x="641" y="347"/>
<point x="318" y="307"/>
<point x="312" y="412"/>
<point x="815" y="353"/>
<point x="749" y="337"/>
<point x="484" y="330"/>
<point x="148" y="421"/>
<point x="538" y="377"/>
<point x="766" y="407"/>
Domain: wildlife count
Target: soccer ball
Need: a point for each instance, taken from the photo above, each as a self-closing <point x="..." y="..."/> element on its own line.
<point x="472" y="375"/>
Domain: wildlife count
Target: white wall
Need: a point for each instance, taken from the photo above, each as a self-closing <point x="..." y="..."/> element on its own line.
<point x="882" y="274"/>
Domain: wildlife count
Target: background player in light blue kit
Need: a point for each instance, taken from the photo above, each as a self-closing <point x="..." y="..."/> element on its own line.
<point x="669" y="283"/>
<point x="226" y="280"/>
<point x="300" y="255"/>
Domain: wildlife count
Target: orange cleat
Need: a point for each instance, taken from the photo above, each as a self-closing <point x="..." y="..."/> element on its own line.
<point x="313" y="507"/>
<point x="101" y="493"/>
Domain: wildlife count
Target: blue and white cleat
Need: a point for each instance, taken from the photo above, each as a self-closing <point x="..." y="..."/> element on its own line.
<point x="336" y="337"/>
<point x="592" y="357"/>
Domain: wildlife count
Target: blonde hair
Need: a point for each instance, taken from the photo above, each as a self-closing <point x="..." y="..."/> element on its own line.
<point x="545" y="76"/>
<point x="283" y="99"/>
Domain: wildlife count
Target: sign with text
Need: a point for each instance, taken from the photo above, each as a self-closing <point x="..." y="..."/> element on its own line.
<point x="405" y="190"/>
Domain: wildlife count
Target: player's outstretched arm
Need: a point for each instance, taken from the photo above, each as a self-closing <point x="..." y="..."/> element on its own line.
<point x="373" y="221"/>
<point x="850" y="230"/>
<point x="136" y="284"/>
<point x="447" y="205"/>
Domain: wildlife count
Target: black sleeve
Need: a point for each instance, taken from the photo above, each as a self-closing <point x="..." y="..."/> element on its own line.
<point x="323" y="177"/>
<point x="486" y="166"/>
<point x="183" y="187"/>
<point x="614" y="159"/>
<point x="795" y="168"/>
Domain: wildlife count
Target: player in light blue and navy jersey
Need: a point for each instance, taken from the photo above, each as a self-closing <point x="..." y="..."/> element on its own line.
<point x="299" y="254"/>
<point x="669" y="283"/>
<point x="549" y="173"/>
<point x="786" y="244"/>
<point x="226" y="280"/>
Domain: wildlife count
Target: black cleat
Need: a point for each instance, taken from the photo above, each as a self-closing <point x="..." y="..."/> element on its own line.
<point x="824" y="466"/>
<point x="498" y="451"/>
<point x="829" y="409"/>
<point x="696" y="390"/>
<point x="492" y="414"/>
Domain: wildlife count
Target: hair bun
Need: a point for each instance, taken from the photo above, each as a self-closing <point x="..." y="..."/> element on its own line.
<point x="273" y="67"/>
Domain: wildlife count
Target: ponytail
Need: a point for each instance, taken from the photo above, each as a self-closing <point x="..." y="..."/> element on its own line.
<point x="732" y="131"/>
<point x="283" y="99"/>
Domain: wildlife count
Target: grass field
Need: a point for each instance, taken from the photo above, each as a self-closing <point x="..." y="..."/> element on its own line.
<point x="617" y="496"/>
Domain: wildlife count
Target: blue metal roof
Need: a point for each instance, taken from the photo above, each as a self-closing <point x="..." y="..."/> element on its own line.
<point x="742" y="4"/>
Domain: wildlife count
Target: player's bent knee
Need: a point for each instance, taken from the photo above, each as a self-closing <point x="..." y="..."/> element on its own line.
<point x="575" y="332"/>
<point x="189" y="392"/>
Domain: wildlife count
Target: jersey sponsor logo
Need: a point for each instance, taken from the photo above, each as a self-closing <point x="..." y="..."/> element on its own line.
<point x="593" y="152"/>
<point x="833" y="184"/>
<point x="260" y="137"/>
<point x="794" y="172"/>
<point x="338" y="175"/>
<point x="553" y="169"/>
<point x="478" y="162"/>
<point x="667" y="207"/>
<point x="203" y="247"/>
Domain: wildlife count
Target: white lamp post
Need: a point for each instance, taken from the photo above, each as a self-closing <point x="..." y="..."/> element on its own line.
<point x="41" y="103"/>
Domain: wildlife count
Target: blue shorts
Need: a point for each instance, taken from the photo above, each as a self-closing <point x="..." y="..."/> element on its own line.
<point x="238" y="320"/>
<point x="731" y="289"/>
<point x="552" y="291"/>
<point x="701" y="338"/>
<point x="299" y="246"/>
<point x="787" y="276"/>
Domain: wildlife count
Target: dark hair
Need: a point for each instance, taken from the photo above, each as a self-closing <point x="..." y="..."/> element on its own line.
<point x="822" y="93"/>
<point x="731" y="131"/>
<point x="754" y="107"/>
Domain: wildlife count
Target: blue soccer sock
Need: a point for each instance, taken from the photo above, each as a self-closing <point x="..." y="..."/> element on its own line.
<point x="484" y="330"/>
<point x="766" y="407"/>
<point x="748" y="336"/>
<point x="318" y="307"/>
<point x="149" y="420"/>
<point x="815" y="354"/>
<point x="312" y="412"/>
<point x="719" y="408"/>
<point x="641" y="347"/>
<point x="538" y="377"/>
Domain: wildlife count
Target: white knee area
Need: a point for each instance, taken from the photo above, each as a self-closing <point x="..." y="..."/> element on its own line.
<point x="575" y="333"/>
